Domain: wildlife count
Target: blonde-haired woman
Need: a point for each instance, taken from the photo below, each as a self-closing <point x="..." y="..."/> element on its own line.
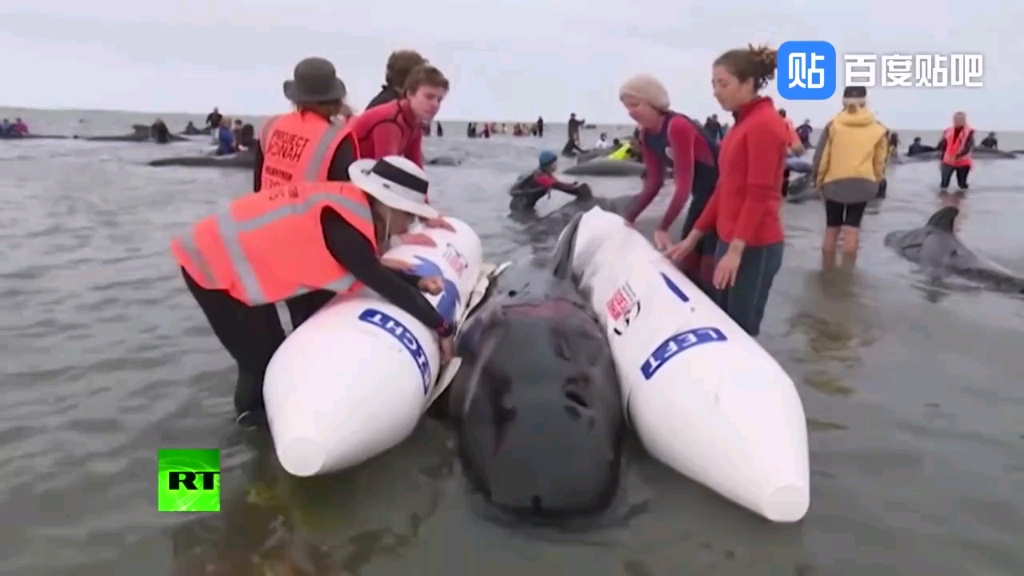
<point x="849" y="163"/>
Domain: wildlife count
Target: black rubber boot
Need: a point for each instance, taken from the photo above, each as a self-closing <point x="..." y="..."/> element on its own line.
<point x="249" y="402"/>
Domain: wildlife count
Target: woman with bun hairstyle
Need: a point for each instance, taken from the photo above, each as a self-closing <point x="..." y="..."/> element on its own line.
<point x="744" y="208"/>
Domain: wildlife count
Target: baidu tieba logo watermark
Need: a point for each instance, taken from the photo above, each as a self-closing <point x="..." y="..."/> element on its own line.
<point x="808" y="70"/>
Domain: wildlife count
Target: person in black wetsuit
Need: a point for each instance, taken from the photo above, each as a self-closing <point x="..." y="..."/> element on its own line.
<point x="159" y="132"/>
<point x="529" y="189"/>
<point x="396" y="189"/>
<point x="400" y="64"/>
<point x="571" y="148"/>
<point x="540" y="126"/>
<point x="990" y="142"/>
<point x="213" y="119"/>
<point x="916" y="147"/>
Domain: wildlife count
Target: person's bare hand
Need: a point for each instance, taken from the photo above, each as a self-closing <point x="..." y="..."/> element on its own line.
<point x="679" y="251"/>
<point x="431" y="285"/>
<point x="447" y="349"/>
<point x="416" y="239"/>
<point x="396" y="264"/>
<point x="661" y="240"/>
<point x="438" y="222"/>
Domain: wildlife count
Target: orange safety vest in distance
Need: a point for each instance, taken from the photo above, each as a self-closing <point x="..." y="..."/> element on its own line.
<point x="297" y="147"/>
<point x="268" y="247"/>
<point x="954" y="147"/>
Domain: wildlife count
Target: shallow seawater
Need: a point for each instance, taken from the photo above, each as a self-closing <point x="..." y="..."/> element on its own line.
<point x="913" y="395"/>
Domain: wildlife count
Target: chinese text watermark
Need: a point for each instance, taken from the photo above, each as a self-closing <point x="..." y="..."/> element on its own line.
<point x="808" y="70"/>
<point x="914" y="70"/>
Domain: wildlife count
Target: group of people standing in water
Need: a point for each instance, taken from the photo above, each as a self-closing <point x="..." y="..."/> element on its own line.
<point x="342" y="186"/>
<point x="229" y="136"/>
<point x="14" y="129"/>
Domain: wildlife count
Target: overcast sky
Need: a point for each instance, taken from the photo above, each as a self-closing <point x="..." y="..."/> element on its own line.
<point x="507" y="60"/>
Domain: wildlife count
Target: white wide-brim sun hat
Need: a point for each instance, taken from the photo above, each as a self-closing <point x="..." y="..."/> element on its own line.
<point x="396" y="182"/>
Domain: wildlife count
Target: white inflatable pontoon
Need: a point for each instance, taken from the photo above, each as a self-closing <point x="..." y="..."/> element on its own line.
<point x="354" y="380"/>
<point x="703" y="396"/>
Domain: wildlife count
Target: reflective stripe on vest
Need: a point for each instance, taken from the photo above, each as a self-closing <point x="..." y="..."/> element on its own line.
<point x="320" y="152"/>
<point x="955" y="145"/>
<point x="230" y="229"/>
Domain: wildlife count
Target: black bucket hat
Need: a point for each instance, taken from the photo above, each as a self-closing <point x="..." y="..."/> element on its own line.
<point x="314" y="80"/>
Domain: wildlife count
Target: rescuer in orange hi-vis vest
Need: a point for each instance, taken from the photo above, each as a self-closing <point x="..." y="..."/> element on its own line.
<point x="301" y="146"/>
<point x="270" y="260"/>
<point x="956" y="145"/>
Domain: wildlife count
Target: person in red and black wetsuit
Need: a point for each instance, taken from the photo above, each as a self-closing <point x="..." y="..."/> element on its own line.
<point x="396" y="127"/>
<point x="529" y="189"/>
<point x="670" y="140"/>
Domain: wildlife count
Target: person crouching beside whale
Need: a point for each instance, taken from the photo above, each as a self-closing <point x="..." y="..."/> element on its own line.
<point x="956" y="146"/>
<point x="268" y="262"/>
<point x="849" y="165"/>
<point x="744" y="208"/>
<point x="670" y="140"/>
<point x="529" y="189"/>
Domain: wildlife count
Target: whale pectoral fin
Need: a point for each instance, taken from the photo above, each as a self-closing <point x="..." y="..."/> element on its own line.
<point x="445" y="379"/>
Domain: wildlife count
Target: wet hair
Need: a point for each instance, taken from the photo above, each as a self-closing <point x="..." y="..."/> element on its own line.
<point x="400" y="64"/>
<point x="755" y="63"/>
<point x="424" y="75"/>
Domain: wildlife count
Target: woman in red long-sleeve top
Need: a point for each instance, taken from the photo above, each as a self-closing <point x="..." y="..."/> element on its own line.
<point x="744" y="209"/>
<point x="672" y="140"/>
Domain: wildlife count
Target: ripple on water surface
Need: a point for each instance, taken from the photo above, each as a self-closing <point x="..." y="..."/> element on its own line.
<point x="913" y="398"/>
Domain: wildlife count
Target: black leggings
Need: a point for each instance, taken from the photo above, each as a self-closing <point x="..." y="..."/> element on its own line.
<point x="961" y="172"/>
<point x="838" y="214"/>
<point x="251" y="334"/>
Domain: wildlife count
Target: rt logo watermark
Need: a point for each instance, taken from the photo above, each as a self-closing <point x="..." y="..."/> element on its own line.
<point x="808" y="70"/>
<point x="188" y="480"/>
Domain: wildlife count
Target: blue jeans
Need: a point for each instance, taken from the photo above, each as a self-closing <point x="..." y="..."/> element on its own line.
<point x="744" y="302"/>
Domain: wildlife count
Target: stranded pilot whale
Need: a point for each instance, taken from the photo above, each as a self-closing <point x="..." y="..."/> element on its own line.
<point x="536" y="403"/>
<point x="940" y="254"/>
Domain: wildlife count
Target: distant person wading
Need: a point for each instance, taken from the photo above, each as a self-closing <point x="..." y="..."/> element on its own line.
<point x="956" y="145"/>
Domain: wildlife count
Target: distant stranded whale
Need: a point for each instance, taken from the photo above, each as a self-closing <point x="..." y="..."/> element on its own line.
<point x="140" y="133"/>
<point x="536" y="403"/>
<point x="940" y="254"/>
